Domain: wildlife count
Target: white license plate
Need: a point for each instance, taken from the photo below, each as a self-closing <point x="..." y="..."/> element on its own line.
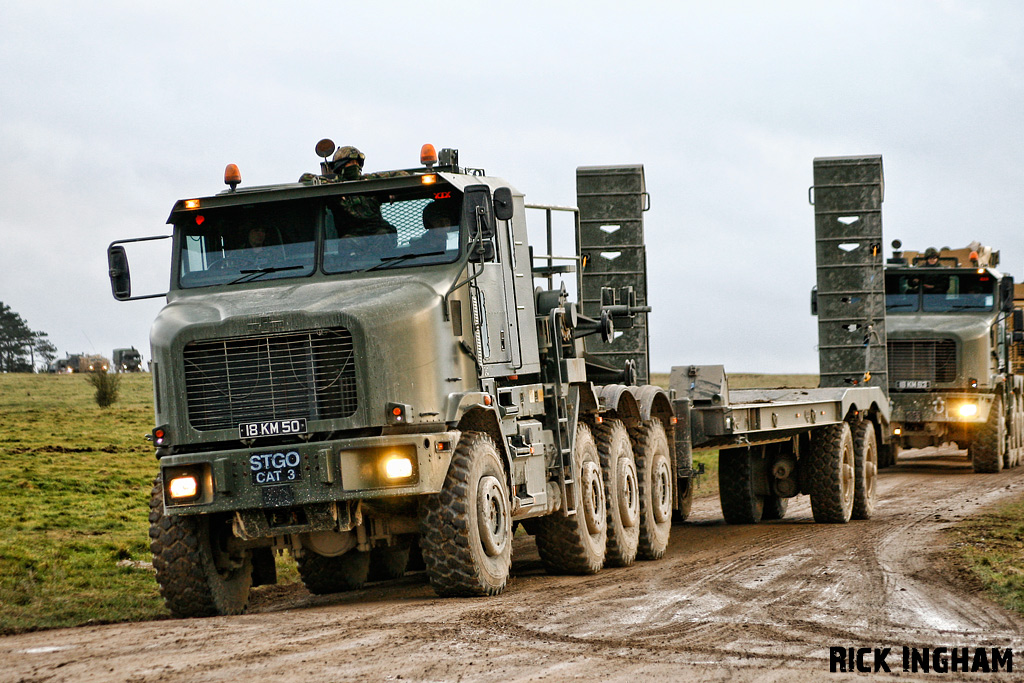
<point x="251" y="430"/>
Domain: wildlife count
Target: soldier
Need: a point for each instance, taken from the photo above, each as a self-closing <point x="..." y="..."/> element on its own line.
<point x="931" y="257"/>
<point x="348" y="163"/>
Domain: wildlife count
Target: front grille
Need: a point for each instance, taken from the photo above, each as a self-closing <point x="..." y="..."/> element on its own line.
<point x="275" y="377"/>
<point x="928" y="359"/>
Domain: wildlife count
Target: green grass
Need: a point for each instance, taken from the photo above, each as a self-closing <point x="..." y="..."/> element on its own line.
<point x="75" y="481"/>
<point x="990" y="547"/>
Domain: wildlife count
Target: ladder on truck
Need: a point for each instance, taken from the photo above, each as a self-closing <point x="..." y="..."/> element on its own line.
<point x="612" y="201"/>
<point x="850" y="294"/>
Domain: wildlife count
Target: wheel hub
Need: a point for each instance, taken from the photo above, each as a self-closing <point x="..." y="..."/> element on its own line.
<point x="593" y="498"/>
<point x="492" y="516"/>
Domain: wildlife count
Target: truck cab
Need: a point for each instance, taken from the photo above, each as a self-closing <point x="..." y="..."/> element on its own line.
<point x="950" y="335"/>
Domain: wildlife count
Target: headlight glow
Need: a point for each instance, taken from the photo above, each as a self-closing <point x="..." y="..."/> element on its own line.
<point x="398" y="467"/>
<point x="969" y="410"/>
<point x="183" y="487"/>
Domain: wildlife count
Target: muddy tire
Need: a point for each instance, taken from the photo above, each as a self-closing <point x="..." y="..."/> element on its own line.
<point x="740" y="505"/>
<point x="829" y="473"/>
<point x="988" y="446"/>
<point x="466" y="529"/>
<point x="200" y="575"/>
<point x="865" y="469"/>
<point x="322" y="575"/>
<point x="655" y="478"/>
<point x="577" y="544"/>
<point x="388" y="563"/>
<point x="622" y="492"/>
<point x="775" y="507"/>
<point x="682" y="513"/>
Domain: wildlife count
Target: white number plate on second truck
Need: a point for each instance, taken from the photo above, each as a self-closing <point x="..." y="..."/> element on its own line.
<point x="275" y="468"/>
<point x="251" y="430"/>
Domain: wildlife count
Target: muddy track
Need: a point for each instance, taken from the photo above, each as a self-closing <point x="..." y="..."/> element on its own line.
<point x="726" y="602"/>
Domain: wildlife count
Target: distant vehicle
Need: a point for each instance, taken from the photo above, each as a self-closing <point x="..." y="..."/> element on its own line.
<point x="81" y="362"/>
<point x="127" y="360"/>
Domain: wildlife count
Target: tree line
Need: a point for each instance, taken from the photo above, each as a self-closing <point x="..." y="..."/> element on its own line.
<point x="20" y="346"/>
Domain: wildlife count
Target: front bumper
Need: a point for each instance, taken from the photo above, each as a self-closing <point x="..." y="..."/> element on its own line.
<point x="304" y="474"/>
<point x="930" y="407"/>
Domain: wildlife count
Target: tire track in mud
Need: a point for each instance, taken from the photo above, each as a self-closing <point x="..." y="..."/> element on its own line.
<point x="725" y="603"/>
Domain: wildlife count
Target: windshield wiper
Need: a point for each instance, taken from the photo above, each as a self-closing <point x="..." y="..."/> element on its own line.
<point x="387" y="261"/>
<point x="250" y="274"/>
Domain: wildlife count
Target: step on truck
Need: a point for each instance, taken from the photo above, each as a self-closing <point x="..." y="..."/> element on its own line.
<point x="955" y="336"/>
<point x="360" y="371"/>
<point x="775" y="444"/>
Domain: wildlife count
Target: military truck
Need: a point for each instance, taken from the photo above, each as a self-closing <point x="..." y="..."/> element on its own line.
<point x="127" y="360"/>
<point x="360" y="371"/>
<point x="955" y="332"/>
<point x="82" y="362"/>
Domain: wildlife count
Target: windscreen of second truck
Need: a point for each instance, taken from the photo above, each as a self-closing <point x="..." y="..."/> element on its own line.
<point x="935" y="291"/>
<point x="355" y="233"/>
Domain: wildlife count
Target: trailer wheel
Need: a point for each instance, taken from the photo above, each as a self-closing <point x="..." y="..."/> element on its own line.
<point x="622" y="493"/>
<point x="322" y="575"/>
<point x="388" y="563"/>
<point x="865" y="469"/>
<point x="199" y="571"/>
<point x="775" y="507"/>
<point x="740" y="505"/>
<point x="466" y="529"/>
<point x="577" y="544"/>
<point x="989" y="444"/>
<point x="655" y="477"/>
<point x="829" y="472"/>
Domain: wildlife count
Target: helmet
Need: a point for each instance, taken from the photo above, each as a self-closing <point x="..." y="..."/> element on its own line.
<point x="931" y="252"/>
<point x="345" y="154"/>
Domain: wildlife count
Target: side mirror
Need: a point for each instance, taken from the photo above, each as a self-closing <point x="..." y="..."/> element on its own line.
<point x="814" y="300"/>
<point x="479" y="214"/>
<point x="1006" y="292"/>
<point x="503" y="208"/>
<point x="120" y="277"/>
<point x="1018" y="320"/>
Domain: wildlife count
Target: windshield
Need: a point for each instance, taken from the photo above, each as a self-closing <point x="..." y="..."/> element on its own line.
<point x="364" y="232"/>
<point x="932" y="290"/>
<point x="369" y="232"/>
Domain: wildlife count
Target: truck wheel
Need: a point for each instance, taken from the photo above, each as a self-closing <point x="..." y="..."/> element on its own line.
<point x="388" y="563"/>
<point x="740" y="505"/>
<point x="322" y="575"/>
<point x="775" y="507"/>
<point x="654" y="476"/>
<point x="829" y="471"/>
<point x="466" y="529"/>
<point x="865" y="469"/>
<point x="199" y="571"/>
<point x="988" y="445"/>
<point x="622" y="493"/>
<point x="682" y="513"/>
<point x="577" y="544"/>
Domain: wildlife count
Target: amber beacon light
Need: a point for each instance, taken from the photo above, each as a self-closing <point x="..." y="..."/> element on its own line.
<point x="428" y="155"/>
<point x="232" y="176"/>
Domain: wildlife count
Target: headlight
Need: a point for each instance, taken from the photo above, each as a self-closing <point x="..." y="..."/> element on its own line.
<point x="183" y="487"/>
<point x="398" y="467"/>
<point x="968" y="410"/>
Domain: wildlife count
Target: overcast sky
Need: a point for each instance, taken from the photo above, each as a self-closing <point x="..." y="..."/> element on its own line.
<point x="110" y="111"/>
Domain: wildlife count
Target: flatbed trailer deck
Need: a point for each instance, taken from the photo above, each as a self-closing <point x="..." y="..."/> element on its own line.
<point x="775" y="444"/>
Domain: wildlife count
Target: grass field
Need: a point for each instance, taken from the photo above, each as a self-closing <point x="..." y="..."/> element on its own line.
<point x="75" y="482"/>
<point x="991" y="548"/>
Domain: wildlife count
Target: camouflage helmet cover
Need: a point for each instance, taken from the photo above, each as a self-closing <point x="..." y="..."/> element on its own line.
<point x="348" y="153"/>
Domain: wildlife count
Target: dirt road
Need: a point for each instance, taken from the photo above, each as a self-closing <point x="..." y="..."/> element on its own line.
<point x="737" y="603"/>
